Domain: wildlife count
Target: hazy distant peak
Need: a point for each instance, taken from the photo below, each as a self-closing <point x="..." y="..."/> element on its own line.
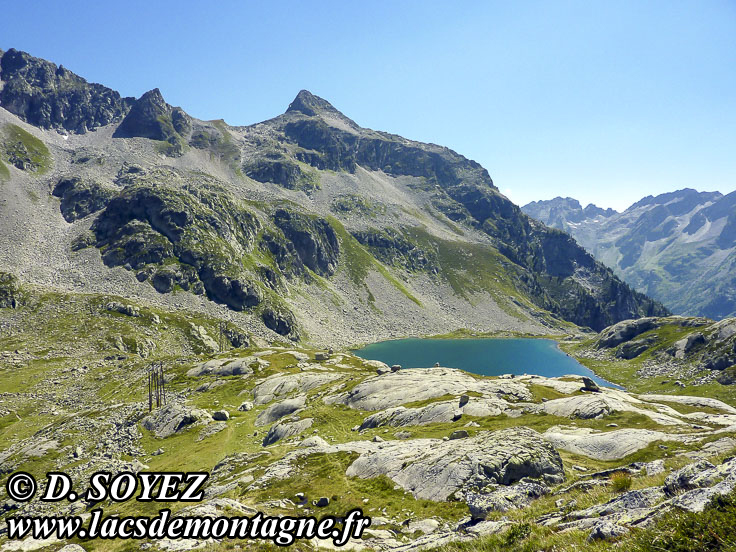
<point x="686" y="194"/>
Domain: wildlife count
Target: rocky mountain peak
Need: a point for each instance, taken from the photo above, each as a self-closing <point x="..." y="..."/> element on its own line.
<point x="311" y="105"/>
<point x="151" y="117"/>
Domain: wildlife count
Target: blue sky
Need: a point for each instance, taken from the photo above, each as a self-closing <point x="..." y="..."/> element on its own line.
<point x="602" y="101"/>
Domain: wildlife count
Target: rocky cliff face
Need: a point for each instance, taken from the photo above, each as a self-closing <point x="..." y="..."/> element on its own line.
<point x="52" y="97"/>
<point x="679" y="247"/>
<point x="306" y="207"/>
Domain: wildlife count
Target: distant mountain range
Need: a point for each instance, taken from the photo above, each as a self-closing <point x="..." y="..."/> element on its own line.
<point x="678" y="247"/>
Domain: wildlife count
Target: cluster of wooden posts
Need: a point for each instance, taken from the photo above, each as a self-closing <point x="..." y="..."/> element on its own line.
<point x="156" y="386"/>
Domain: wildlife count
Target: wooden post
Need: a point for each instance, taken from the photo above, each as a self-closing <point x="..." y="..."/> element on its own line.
<point x="150" y="398"/>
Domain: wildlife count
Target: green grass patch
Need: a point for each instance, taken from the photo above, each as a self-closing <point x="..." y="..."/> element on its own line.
<point x="21" y="147"/>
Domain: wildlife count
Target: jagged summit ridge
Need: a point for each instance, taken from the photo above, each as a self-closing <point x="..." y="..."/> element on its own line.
<point x="48" y="96"/>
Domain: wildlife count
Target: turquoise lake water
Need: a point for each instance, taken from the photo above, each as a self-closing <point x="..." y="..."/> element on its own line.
<point x="486" y="357"/>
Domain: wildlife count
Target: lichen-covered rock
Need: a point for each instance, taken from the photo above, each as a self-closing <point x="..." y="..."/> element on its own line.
<point x="626" y="330"/>
<point x="404" y="386"/>
<point x="700" y="474"/>
<point x="435" y="469"/>
<point x="285" y="430"/>
<point x="607" y="531"/>
<point x="172" y="418"/>
<point x="502" y="499"/>
<point x="280" y="409"/>
<point x="283" y="384"/>
<point x="225" y="367"/>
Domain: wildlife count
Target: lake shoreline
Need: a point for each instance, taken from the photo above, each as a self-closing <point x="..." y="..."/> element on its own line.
<point x="488" y="356"/>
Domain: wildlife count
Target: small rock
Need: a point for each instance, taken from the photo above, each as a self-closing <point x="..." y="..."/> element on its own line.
<point x="396" y="367"/>
<point x="458" y="434"/>
<point x="321" y="356"/>
<point x="607" y="531"/>
<point x="321" y="502"/>
<point x="464" y="400"/>
<point x="157" y="452"/>
<point x="377" y="439"/>
<point x="245" y="406"/>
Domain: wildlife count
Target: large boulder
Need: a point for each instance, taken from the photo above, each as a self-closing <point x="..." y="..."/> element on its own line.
<point x="626" y="330"/>
<point x="226" y="367"/>
<point x="504" y="498"/>
<point x="280" y="409"/>
<point x="404" y="386"/>
<point x="285" y="430"/>
<point x="283" y="384"/>
<point x="436" y="470"/>
<point x="439" y="412"/>
<point x="683" y="346"/>
<point x="172" y="418"/>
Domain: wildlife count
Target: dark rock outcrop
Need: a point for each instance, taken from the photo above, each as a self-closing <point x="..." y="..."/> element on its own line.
<point x="11" y="295"/>
<point x="151" y="117"/>
<point x="314" y="240"/>
<point x="175" y="237"/>
<point x="280" y="320"/>
<point x="48" y="96"/>
<point x="80" y="197"/>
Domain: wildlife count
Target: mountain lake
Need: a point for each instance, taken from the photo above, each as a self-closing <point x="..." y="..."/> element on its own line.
<point x="486" y="356"/>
